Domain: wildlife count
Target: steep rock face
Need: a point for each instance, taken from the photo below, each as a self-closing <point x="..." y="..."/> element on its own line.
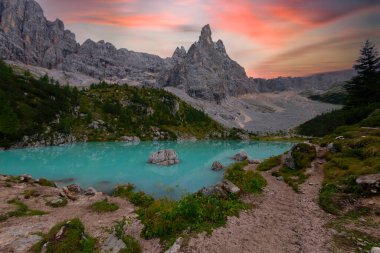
<point x="206" y="71"/>
<point x="26" y="36"/>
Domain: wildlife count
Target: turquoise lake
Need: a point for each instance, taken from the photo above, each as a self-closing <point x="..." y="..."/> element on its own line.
<point x="104" y="165"/>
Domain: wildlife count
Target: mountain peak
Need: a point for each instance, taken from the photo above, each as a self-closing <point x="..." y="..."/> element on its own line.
<point x="206" y="35"/>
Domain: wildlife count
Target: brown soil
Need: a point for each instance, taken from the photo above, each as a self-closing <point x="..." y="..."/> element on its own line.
<point x="282" y="221"/>
<point x="15" y="230"/>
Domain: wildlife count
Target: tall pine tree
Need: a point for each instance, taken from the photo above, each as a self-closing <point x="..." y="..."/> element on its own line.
<point x="364" y="88"/>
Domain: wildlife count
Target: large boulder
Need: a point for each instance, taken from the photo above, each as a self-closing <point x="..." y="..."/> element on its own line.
<point x="370" y="183"/>
<point x="217" y="166"/>
<point x="164" y="157"/>
<point x="242" y="156"/>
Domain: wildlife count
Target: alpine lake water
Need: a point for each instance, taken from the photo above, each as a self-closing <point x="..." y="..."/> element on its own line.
<point x="104" y="165"/>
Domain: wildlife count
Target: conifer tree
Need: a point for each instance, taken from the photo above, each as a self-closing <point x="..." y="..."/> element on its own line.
<point x="364" y="88"/>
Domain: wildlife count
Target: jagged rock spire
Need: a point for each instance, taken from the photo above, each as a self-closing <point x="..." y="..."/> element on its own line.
<point x="206" y="35"/>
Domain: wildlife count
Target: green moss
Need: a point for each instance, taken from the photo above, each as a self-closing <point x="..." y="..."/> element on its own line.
<point x="73" y="239"/>
<point x="269" y="163"/>
<point x="104" y="206"/>
<point x="248" y="181"/>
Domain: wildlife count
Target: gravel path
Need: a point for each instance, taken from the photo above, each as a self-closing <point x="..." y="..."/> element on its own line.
<point x="281" y="221"/>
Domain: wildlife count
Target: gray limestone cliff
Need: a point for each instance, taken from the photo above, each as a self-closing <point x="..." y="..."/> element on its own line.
<point x="27" y="36"/>
<point x="206" y="71"/>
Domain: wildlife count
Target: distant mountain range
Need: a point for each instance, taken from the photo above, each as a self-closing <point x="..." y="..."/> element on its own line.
<point x="206" y="72"/>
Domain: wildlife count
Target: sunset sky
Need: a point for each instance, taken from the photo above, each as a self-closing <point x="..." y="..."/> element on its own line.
<point x="268" y="38"/>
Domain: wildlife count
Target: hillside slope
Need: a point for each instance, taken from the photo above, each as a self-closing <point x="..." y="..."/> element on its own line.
<point x="41" y="112"/>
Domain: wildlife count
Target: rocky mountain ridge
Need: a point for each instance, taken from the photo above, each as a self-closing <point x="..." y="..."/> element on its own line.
<point x="206" y="71"/>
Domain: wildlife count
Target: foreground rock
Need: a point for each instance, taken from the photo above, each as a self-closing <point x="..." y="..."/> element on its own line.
<point x="175" y="248"/>
<point x="242" y="156"/>
<point x="370" y="183"/>
<point x="222" y="189"/>
<point x="72" y="191"/>
<point x="217" y="166"/>
<point x="375" y="250"/>
<point x="164" y="157"/>
<point x="113" y="244"/>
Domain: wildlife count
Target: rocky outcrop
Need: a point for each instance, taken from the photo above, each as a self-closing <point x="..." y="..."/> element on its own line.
<point x="72" y="191"/>
<point x="222" y="189"/>
<point x="206" y="71"/>
<point x="370" y="183"/>
<point x="239" y="157"/>
<point x="217" y="166"/>
<point x="164" y="157"/>
<point x="133" y="139"/>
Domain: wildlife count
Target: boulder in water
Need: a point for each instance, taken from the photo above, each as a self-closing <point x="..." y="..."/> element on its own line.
<point x="242" y="156"/>
<point x="217" y="166"/>
<point x="164" y="157"/>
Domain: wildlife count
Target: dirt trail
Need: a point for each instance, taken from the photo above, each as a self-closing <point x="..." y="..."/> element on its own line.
<point x="281" y="221"/>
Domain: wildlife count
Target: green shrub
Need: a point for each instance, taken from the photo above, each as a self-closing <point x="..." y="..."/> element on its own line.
<point x="45" y="182"/>
<point x="167" y="219"/>
<point x="303" y="154"/>
<point x="269" y="163"/>
<point x="58" y="204"/>
<point x="104" y="206"/>
<point x="137" y="198"/>
<point x="73" y="239"/>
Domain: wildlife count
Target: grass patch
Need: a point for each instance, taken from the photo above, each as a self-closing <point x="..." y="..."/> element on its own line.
<point x="294" y="178"/>
<point x="104" y="206"/>
<point x="67" y="236"/>
<point x="22" y="210"/>
<point x="269" y="163"/>
<point x="137" y="198"/>
<point x="248" y="181"/>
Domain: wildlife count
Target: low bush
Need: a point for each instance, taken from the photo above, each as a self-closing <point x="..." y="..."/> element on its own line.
<point x="303" y="154"/>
